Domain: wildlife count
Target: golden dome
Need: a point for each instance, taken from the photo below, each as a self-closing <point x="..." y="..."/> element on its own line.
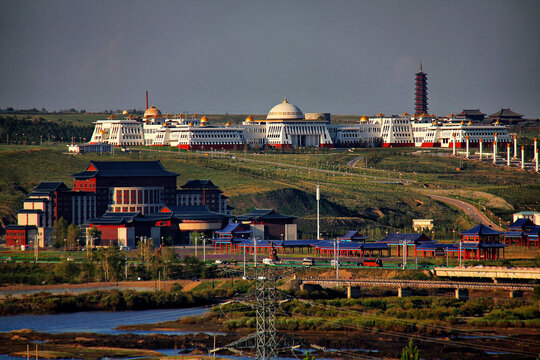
<point x="497" y="122"/>
<point x="152" y="112"/>
<point x="249" y="118"/>
<point x="112" y="117"/>
<point x="405" y="114"/>
<point x="469" y="123"/>
<point x="435" y="122"/>
<point x="125" y="112"/>
<point x="461" y="123"/>
<point x="364" y="118"/>
<point x="190" y="124"/>
<point x="228" y="124"/>
<point x="380" y="114"/>
<point x="204" y="119"/>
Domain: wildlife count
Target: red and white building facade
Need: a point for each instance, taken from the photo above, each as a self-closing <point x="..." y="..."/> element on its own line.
<point x="286" y="126"/>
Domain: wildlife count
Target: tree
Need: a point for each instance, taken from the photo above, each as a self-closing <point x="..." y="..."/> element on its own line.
<point x="94" y="236"/>
<point x="73" y="235"/>
<point x="110" y="263"/>
<point x="410" y="352"/>
<point x="59" y="232"/>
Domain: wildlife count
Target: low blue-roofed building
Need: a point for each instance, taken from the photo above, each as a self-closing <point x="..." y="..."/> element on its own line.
<point x="227" y="239"/>
<point x="518" y="232"/>
<point x="482" y="243"/>
<point x="408" y="239"/>
<point x="353" y="235"/>
<point x="533" y="236"/>
<point x="350" y="248"/>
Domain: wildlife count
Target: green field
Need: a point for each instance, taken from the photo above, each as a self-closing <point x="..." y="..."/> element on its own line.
<point x="381" y="198"/>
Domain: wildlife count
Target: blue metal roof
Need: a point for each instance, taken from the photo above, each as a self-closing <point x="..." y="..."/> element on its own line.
<point x="349" y="245"/>
<point x="435" y="246"/>
<point x="398" y="239"/>
<point x="300" y="242"/>
<point x="260" y="243"/>
<point x="233" y="228"/>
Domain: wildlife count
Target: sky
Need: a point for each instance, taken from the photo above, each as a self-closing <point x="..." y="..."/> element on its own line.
<point x="343" y="57"/>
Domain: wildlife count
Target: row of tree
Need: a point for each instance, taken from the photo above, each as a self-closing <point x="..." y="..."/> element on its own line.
<point x="19" y="131"/>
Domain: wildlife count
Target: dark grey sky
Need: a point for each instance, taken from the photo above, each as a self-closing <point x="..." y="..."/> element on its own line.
<point x="343" y="57"/>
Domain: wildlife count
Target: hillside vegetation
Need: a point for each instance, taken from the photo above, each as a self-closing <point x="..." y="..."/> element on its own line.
<point x="386" y="195"/>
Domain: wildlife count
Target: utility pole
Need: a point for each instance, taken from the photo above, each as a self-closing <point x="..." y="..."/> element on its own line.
<point x="318" y="198"/>
<point x="204" y="249"/>
<point x="404" y="253"/>
<point x="244" y="263"/>
<point x="459" y="253"/>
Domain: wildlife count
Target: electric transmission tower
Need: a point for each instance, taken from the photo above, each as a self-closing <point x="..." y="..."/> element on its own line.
<point x="265" y="340"/>
<point x="266" y="305"/>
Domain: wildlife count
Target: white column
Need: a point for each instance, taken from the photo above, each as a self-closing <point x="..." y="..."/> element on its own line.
<point x="318" y="198"/>
<point x="495" y="149"/>
<point x="515" y="146"/>
<point x="467" y="146"/>
<point x="508" y="154"/>
<point x="535" y="149"/>
<point x="523" y="157"/>
<point x="536" y="159"/>
<point x="480" y="144"/>
<point x="454" y="144"/>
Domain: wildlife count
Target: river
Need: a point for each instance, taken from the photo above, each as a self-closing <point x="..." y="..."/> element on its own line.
<point x="100" y="322"/>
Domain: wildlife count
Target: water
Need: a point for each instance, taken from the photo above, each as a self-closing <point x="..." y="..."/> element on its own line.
<point x="100" y="322"/>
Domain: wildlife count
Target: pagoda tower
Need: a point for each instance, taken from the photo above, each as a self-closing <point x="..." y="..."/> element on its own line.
<point x="420" y="99"/>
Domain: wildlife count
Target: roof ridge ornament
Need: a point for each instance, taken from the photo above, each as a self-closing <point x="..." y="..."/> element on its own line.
<point x="285" y="100"/>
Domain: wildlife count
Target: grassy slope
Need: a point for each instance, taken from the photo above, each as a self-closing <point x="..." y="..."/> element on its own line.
<point x="348" y="201"/>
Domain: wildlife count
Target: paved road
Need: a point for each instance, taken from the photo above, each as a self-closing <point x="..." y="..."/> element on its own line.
<point x="468" y="209"/>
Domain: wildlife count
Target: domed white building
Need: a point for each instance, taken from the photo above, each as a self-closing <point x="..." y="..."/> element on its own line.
<point x="286" y="126"/>
<point x="285" y="111"/>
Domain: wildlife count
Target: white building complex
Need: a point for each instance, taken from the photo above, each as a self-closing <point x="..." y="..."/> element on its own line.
<point x="286" y="126"/>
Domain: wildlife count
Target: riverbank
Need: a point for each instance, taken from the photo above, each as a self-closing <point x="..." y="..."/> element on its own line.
<point x="92" y="346"/>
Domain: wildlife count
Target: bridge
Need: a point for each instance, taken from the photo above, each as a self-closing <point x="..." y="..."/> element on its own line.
<point x="404" y="286"/>
<point x="492" y="272"/>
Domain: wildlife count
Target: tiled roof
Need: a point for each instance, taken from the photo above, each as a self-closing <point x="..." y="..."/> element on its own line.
<point x="505" y="113"/>
<point x="352" y="235"/>
<point x="198" y="212"/>
<point x="199" y="184"/>
<point x="124" y="169"/>
<point x="471" y="112"/>
<point x="117" y="218"/>
<point x="47" y="187"/>
<point x="264" y="214"/>
<point x="519" y="223"/>
<point x="480" y="229"/>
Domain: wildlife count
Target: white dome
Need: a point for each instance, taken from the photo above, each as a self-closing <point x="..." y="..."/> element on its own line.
<point x="285" y="111"/>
